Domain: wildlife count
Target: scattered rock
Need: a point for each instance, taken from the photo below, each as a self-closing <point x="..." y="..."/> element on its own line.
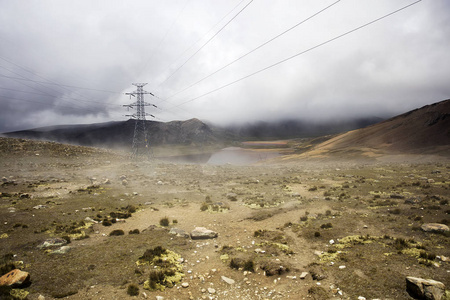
<point x="15" y="278"/>
<point x="397" y="196"/>
<point x="41" y="297"/>
<point x="52" y="242"/>
<point x="89" y="220"/>
<point x="273" y="268"/>
<point x="412" y="200"/>
<point x="427" y="289"/>
<point x="185" y="284"/>
<point x="200" y="233"/>
<point x="159" y="298"/>
<point x="62" y="250"/>
<point x="228" y="280"/>
<point x="435" y="227"/>
<point x="124" y="182"/>
<point x="178" y="232"/>
<point x="211" y="291"/>
<point x="232" y="196"/>
<point x="40" y="206"/>
<point x="303" y="275"/>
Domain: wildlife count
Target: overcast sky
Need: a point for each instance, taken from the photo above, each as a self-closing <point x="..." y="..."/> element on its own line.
<point x="70" y="62"/>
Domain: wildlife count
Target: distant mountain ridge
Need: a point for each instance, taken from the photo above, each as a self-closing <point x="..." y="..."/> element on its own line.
<point x="189" y="132"/>
<point x="288" y="129"/>
<point x="120" y="134"/>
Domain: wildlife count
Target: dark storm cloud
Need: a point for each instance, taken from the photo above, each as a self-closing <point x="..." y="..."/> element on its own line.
<point x="394" y="65"/>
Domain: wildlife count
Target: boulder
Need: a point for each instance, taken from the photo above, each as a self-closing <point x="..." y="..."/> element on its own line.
<point x="15" y="278"/>
<point x="426" y="289"/>
<point x="52" y="242"/>
<point x="201" y="233"/>
<point x="62" y="250"/>
<point x="232" y="196"/>
<point x="178" y="232"/>
<point x="435" y="227"/>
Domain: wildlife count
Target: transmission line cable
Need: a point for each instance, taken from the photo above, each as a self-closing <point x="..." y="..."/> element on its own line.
<point x="164" y="37"/>
<point x="47" y="80"/>
<point x="49" y="95"/>
<point x="300" y="53"/>
<point x="209" y="40"/>
<point x="191" y="46"/>
<point x="58" y="84"/>
<point x="34" y="88"/>
<point x="50" y="104"/>
<point x="45" y="92"/>
<point x="251" y="51"/>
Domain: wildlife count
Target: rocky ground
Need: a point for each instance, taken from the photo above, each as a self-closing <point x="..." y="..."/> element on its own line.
<point x="296" y="230"/>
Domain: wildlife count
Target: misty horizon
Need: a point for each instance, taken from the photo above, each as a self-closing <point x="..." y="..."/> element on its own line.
<point x="223" y="63"/>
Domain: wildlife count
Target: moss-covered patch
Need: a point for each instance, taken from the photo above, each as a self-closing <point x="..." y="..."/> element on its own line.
<point x="166" y="269"/>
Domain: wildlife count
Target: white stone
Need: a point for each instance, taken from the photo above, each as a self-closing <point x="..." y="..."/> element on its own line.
<point x="228" y="280"/>
<point x="185" y="284"/>
<point x="303" y="275"/>
<point x="211" y="291"/>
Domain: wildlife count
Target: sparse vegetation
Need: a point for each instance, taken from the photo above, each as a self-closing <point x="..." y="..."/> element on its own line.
<point x="133" y="290"/>
<point x="164" y="222"/>
<point x="288" y="224"/>
<point x="116" y="232"/>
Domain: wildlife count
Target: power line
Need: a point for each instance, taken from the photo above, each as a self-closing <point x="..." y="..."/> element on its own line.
<point x="191" y="46"/>
<point x="58" y="84"/>
<point x="50" y="104"/>
<point x="298" y="54"/>
<point x="165" y="36"/>
<point x="210" y="39"/>
<point x="251" y="51"/>
<point x="34" y="73"/>
<point x="49" y="95"/>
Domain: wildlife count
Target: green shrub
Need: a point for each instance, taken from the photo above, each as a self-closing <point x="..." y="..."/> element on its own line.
<point x="204" y="206"/>
<point x="249" y="265"/>
<point x="164" y="222"/>
<point x="326" y="226"/>
<point x="131" y="209"/>
<point x="116" y="232"/>
<point x="133" y="290"/>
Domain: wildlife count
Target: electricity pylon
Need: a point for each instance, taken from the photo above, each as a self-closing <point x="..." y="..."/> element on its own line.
<point x="140" y="146"/>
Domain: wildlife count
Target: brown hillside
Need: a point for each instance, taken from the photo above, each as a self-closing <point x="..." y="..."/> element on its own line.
<point x="421" y="131"/>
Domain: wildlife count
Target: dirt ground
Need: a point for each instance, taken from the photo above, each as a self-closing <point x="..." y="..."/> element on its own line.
<point x="353" y="225"/>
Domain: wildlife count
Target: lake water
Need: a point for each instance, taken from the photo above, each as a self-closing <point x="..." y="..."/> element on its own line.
<point x="230" y="155"/>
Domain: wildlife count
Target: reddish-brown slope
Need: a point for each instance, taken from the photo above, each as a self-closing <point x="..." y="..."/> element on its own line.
<point x="423" y="130"/>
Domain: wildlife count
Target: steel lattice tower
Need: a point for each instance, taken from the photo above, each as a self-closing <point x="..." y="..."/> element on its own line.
<point x="140" y="145"/>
